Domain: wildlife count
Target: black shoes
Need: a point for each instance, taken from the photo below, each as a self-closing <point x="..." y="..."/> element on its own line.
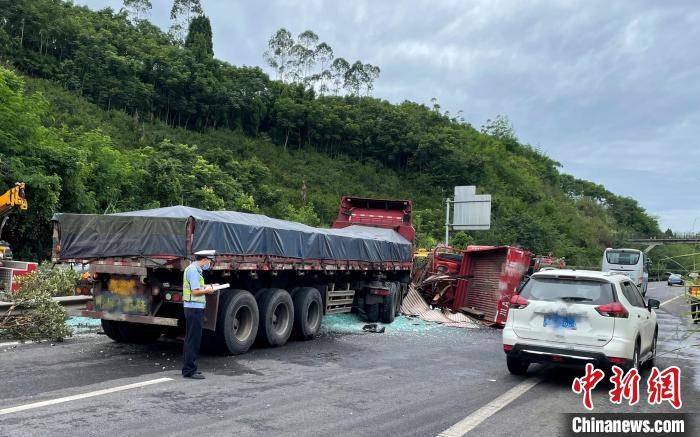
<point x="197" y="375"/>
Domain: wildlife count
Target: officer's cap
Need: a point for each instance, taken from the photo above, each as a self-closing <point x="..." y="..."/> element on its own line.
<point x="205" y="254"/>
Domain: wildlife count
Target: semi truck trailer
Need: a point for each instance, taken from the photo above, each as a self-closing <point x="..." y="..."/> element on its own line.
<point x="283" y="276"/>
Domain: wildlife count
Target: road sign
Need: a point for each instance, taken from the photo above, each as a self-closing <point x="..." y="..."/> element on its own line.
<point x="471" y="211"/>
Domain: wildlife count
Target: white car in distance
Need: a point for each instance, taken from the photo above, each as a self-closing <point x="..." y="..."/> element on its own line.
<point x="574" y="317"/>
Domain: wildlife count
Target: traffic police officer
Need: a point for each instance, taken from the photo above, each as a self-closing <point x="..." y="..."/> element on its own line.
<point x="194" y="301"/>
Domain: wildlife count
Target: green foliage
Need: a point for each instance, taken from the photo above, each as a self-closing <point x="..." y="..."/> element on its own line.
<point x="461" y="240"/>
<point x="48" y="279"/>
<point x="34" y="315"/>
<point x="675" y="258"/>
<point x="199" y="38"/>
<point x="145" y="122"/>
<point x="304" y="214"/>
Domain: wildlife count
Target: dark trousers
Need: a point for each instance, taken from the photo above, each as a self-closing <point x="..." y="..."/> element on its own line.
<point x="193" y="338"/>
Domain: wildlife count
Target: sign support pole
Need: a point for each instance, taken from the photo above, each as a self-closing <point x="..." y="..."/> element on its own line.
<point x="447" y="221"/>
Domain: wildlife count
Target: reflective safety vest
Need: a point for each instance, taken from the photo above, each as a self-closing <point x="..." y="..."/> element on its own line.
<point x="187" y="295"/>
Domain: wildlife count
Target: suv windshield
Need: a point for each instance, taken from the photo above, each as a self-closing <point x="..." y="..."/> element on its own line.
<point x="622" y="257"/>
<point x="573" y="290"/>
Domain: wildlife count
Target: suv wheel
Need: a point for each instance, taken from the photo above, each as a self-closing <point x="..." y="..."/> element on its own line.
<point x="650" y="362"/>
<point x="517" y="366"/>
<point x="635" y="358"/>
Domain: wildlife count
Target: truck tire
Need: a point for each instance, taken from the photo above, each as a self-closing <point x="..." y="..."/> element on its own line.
<point x="111" y="329"/>
<point x="139" y="333"/>
<point x="308" y="312"/>
<point x="236" y="323"/>
<point x="398" y="300"/>
<point x="276" y="317"/>
<point x="388" y="308"/>
<point x="372" y="312"/>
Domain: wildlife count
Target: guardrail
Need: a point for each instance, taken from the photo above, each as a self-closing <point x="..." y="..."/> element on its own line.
<point x="71" y="302"/>
<point x="663" y="240"/>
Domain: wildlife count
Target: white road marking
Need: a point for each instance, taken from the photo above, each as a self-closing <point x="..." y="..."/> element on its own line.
<point x="82" y="396"/>
<point x="9" y="343"/>
<point x="473" y="420"/>
<point x="670" y="300"/>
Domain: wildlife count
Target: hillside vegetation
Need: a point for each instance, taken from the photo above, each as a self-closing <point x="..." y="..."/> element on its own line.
<point x="100" y="113"/>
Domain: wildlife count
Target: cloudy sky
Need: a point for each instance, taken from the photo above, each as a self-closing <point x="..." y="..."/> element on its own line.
<point x="609" y="89"/>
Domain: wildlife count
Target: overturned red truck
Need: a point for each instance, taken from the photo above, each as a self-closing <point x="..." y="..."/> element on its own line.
<point x="478" y="281"/>
<point x="284" y="276"/>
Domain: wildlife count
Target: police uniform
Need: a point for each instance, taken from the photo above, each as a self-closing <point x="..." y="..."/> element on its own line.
<point x="194" y="314"/>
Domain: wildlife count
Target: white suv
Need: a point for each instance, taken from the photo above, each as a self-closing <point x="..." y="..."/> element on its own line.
<point x="573" y="317"/>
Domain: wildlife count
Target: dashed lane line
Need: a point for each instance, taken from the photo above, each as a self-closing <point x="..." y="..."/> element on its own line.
<point x="473" y="420"/>
<point x="82" y="396"/>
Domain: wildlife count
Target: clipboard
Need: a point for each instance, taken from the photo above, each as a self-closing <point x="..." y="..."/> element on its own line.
<point x="210" y="310"/>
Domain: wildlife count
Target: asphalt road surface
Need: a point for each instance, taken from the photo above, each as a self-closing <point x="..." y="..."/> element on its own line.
<point x="411" y="380"/>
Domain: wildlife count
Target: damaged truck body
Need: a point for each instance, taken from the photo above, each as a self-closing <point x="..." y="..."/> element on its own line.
<point x="284" y="276"/>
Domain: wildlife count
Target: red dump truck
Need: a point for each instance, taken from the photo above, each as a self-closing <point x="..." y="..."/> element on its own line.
<point x="284" y="276"/>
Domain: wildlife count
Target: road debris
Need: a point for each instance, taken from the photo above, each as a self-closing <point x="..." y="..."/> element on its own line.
<point x="373" y="327"/>
<point x="83" y="325"/>
<point x="415" y="306"/>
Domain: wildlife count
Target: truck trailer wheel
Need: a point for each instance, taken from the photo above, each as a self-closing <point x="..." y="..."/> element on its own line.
<point x="308" y="311"/>
<point x="139" y="333"/>
<point x="236" y="323"/>
<point x="111" y="329"/>
<point x="387" y="310"/>
<point x="276" y="317"/>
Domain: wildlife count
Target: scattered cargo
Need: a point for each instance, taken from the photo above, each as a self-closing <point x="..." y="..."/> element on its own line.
<point x="415" y="306"/>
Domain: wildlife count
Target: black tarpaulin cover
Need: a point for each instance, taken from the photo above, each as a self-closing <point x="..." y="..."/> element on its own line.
<point x="162" y="231"/>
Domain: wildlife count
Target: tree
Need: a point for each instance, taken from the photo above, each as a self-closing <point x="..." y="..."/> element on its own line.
<point x="500" y="128"/>
<point x="461" y="240"/>
<point x="324" y="56"/>
<point x="279" y="51"/>
<point x="355" y="78"/>
<point x="339" y="68"/>
<point x="370" y="74"/>
<point x="303" y="57"/>
<point x="138" y="8"/>
<point x="182" y="13"/>
<point x="199" y="38"/>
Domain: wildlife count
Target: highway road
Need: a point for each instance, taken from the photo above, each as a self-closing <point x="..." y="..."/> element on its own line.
<point x="412" y="380"/>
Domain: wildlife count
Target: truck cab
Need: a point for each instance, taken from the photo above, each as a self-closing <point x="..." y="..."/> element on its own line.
<point x="389" y="214"/>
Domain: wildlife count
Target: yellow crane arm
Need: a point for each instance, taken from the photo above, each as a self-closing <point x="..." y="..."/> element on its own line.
<point x="13" y="198"/>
